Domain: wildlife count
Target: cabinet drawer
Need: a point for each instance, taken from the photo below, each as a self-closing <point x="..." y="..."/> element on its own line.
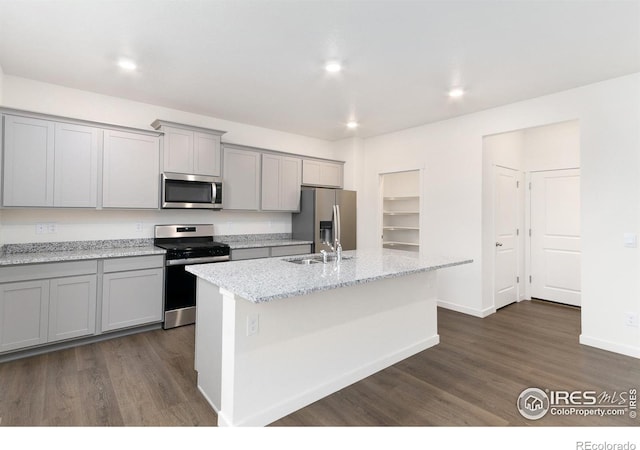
<point x="133" y="263"/>
<point x="249" y="253"/>
<point x="288" y="250"/>
<point x="49" y="270"/>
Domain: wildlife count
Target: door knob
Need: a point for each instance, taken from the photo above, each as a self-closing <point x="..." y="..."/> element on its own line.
<point x="498" y="244"/>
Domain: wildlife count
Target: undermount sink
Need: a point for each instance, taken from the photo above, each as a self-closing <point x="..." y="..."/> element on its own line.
<point x="315" y="260"/>
<point x="305" y="261"/>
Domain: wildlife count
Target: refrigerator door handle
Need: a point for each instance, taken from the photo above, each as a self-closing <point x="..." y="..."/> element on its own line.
<point x="338" y="221"/>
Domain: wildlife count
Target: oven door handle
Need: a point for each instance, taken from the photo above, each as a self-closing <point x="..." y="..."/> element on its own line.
<point x="184" y="262"/>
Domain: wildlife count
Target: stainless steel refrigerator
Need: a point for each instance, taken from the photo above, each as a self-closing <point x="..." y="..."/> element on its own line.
<point x="324" y="215"/>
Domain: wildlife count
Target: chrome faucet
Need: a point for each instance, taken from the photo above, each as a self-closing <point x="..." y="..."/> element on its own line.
<point x="336" y="249"/>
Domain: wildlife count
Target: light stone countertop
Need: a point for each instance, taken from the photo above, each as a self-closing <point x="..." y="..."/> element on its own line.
<point x="265" y="243"/>
<point x="61" y="255"/>
<point x="263" y="280"/>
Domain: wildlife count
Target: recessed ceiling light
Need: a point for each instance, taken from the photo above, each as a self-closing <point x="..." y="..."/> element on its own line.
<point x="333" y="67"/>
<point x="457" y="92"/>
<point x="127" y="64"/>
<point x="352" y="124"/>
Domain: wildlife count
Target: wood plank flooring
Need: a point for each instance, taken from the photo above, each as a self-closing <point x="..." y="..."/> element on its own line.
<point x="473" y="377"/>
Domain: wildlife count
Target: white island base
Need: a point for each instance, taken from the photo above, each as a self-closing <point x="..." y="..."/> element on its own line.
<point x="306" y="347"/>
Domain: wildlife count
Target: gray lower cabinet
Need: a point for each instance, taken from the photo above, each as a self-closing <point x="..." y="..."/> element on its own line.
<point x="50" y="302"/>
<point x="44" y="303"/>
<point x="24" y="308"/>
<point x="132" y="292"/>
<point x="72" y="307"/>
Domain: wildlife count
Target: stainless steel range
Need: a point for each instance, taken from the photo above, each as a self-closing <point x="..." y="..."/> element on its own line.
<point x="185" y="244"/>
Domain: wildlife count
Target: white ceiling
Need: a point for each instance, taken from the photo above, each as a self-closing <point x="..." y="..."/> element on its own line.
<point x="261" y="62"/>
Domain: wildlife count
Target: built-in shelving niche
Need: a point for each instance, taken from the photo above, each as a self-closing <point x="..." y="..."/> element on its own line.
<point x="401" y="210"/>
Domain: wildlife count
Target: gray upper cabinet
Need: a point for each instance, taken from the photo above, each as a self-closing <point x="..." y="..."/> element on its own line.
<point x="281" y="178"/>
<point x="241" y="173"/>
<point x="206" y="154"/>
<point x="28" y="161"/>
<point x="322" y="173"/>
<point x="189" y="149"/>
<point x="75" y="166"/>
<point x="131" y="170"/>
<point x="49" y="163"/>
<point x="178" y="150"/>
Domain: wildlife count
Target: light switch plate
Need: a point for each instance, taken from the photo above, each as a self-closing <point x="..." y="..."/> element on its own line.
<point x="630" y="240"/>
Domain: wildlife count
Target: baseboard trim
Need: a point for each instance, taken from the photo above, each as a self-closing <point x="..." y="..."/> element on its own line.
<point x="482" y="313"/>
<point x="614" y="347"/>
<point x="296" y="402"/>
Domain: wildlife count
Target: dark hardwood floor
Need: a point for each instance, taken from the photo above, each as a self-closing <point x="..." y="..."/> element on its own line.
<point x="473" y="377"/>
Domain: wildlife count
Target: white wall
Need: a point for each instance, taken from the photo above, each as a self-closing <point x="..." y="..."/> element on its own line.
<point x="19" y="225"/>
<point x="552" y="147"/>
<point x="451" y="151"/>
<point x="506" y="149"/>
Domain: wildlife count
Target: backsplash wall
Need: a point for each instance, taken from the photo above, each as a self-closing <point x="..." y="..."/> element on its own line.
<point x="20" y="225"/>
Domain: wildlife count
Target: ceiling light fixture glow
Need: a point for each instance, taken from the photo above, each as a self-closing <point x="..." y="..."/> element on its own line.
<point x="352" y="124"/>
<point x="333" y="67"/>
<point x="127" y="64"/>
<point x="456" y="93"/>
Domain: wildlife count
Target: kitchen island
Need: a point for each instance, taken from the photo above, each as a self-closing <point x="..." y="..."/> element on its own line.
<point x="274" y="335"/>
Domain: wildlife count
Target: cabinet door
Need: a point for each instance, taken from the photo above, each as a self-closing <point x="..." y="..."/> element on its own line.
<point x="131" y="170"/>
<point x="290" y="180"/>
<point x="23" y="314"/>
<point x="271" y="179"/>
<point x="321" y="173"/>
<point x="178" y="150"/>
<point x="131" y="298"/>
<point x="72" y="307"/>
<point x="76" y="166"/>
<point x="241" y="179"/>
<point x="206" y="154"/>
<point x="331" y="174"/>
<point x="28" y="162"/>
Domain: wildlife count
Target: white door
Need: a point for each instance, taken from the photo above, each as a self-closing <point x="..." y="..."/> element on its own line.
<point x="555" y="236"/>
<point x="506" y="219"/>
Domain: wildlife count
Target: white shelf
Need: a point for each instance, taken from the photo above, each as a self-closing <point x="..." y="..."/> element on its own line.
<point x="404" y="244"/>
<point x="408" y="197"/>
<point x="401" y="211"/>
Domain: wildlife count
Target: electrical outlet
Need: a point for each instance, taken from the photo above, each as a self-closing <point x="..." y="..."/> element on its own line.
<point x="139" y="226"/>
<point x="51" y="228"/>
<point x="631" y="319"/>
<point x="41" y="228"/>
<point x="253" y="324"/>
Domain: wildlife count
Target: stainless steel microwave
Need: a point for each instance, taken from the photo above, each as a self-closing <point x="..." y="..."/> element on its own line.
<point x="180" y="190"/>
